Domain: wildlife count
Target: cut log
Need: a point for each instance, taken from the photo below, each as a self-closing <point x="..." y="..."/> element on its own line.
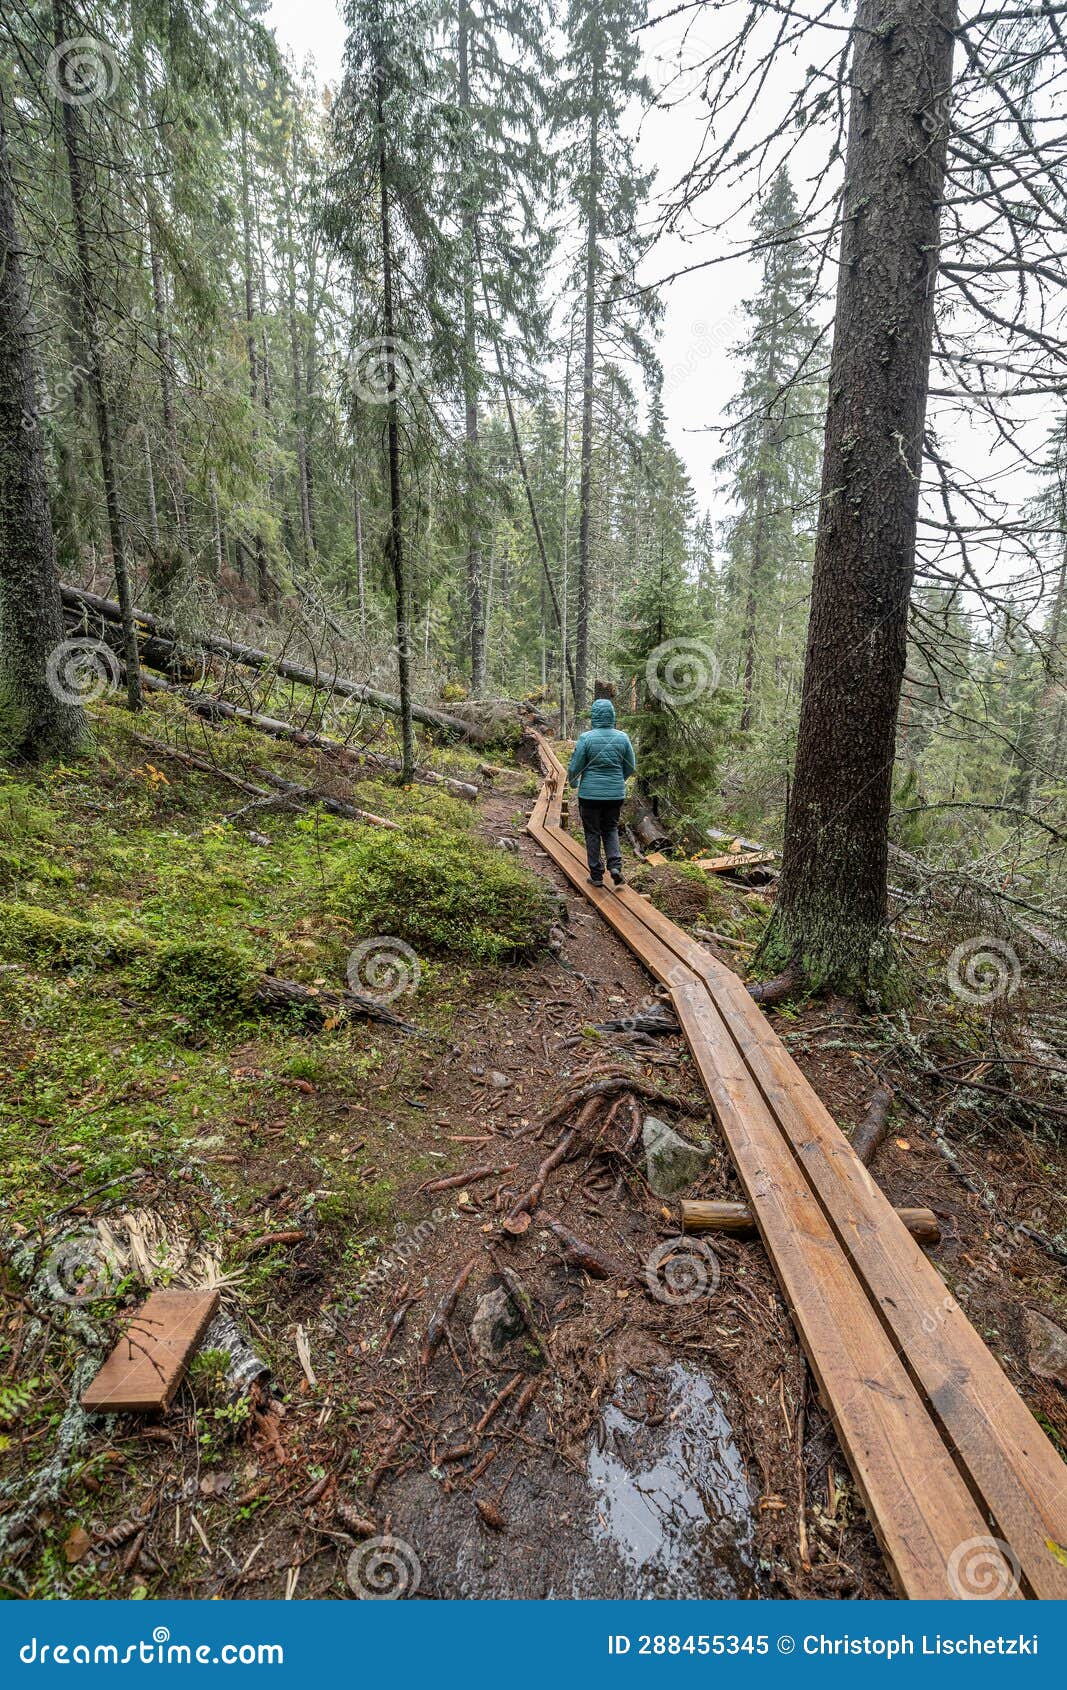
<point x="705" y="1215"/>
<point x="148" y="1363"/>
<point x="733" y="841"/>
<point x="78" y="600"/>
<point x="215" y="709"/>
<point x="730" y="863"/>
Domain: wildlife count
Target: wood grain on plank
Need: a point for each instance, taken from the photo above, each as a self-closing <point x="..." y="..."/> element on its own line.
<point x="897" y="1456"/>
<point x="148" y="1363"/>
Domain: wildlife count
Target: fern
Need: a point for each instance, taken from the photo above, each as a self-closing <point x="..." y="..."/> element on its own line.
<point x="15" y="1400"/>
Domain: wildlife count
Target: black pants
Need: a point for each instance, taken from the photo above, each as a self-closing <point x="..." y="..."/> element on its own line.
<point x="600" y="820"/>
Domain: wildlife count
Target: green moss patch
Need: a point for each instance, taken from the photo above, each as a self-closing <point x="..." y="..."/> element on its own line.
<point x="444" y="892"/>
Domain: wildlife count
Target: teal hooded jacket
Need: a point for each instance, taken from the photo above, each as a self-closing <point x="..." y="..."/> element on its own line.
<point x="603" y="756"/>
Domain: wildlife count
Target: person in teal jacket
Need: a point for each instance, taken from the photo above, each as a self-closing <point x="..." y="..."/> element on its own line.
<point x="603" y="760"/>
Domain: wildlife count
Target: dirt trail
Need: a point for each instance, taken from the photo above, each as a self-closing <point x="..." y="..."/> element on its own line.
<point x="648" y="1444"/>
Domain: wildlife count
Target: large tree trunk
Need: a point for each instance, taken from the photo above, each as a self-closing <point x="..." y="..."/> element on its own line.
<point x="831" y="906"/>
<point x="581" y="643"/>
<point x="91" y="328"/>
<point x="396" y="516"/>
<point x="35" y="720"/>
<point x="475" y="596"/>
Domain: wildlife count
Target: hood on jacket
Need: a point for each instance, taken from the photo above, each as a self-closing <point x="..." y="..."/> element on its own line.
<point x="602" y="714"/>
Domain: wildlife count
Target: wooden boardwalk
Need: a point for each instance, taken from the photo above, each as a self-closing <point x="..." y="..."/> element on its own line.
<point x="966" y="1494"/>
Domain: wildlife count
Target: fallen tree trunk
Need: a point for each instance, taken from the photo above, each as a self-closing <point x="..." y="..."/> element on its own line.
<point x="287" y="791"/>
<point x="874" y="1126"/>
<point x="782" y="986"/>
<point x="215" y="709"/>
<point x="276" y="994"/>
<point x="165" y="648"/>
<point x="700" y="1215"/>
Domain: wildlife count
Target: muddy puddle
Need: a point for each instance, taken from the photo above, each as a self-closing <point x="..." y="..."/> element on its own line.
<point x="662" y="1508"/>
<point x="671" y="1501"/>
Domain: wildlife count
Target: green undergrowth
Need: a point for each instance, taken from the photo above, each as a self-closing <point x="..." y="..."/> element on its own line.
<point x="135" y="921"/>
<point x="435" y="888"/>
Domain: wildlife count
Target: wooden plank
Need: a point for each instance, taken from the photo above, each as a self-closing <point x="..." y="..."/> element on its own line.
<point x="884" y="1430"/>
<point x="148" y="1363"/>
<point x="996" y="1439"/>
<point x="980" y="1415"/>
<point x="727" y="865"/>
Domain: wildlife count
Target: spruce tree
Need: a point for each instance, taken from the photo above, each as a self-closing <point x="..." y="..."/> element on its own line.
<point x="773" y="453"/>
<point x="602" y="81"/>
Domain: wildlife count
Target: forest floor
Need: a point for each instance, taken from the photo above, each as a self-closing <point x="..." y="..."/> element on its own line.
<point x="570" y="1435"/>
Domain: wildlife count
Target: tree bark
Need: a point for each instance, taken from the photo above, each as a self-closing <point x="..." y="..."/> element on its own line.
<point x="831" y="909"/>
<point x="476" y="614"/>
<point x="396" y="518"/>
<point x="163" y="345"/>
<point x="35" y="722"/>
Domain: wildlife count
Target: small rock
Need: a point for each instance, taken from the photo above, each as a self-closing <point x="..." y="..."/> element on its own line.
<point x="499" y="1081"/>
<point x="673" y="1163"/>
<point x="497" y="1320"/>
<point x="1048" y="1347"/>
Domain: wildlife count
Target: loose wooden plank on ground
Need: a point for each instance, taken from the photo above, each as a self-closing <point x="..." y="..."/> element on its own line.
<point x="148" y="1363"/>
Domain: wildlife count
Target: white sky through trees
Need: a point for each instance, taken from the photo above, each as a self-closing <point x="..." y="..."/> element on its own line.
<point x="702" y="317"/>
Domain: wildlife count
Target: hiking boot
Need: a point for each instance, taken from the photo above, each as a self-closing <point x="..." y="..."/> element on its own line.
<point x="593" y="880"/>
<point x="618" y="879"/>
